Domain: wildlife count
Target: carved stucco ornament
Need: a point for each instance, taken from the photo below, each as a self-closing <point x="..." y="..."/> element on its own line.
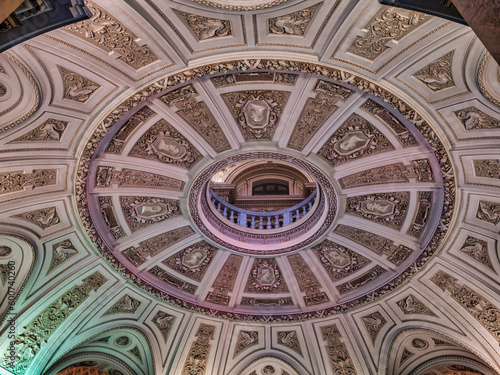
<point x="77" y="87"/>
<point x="474" y="119"/>
<point x="3" y="89"/>
<point x="488" y="212"/>
<point x="61" y="252"/>
<point x="51" y="130"/>
<point x="206" y="27"/>
<point x="437" y="75"/>
<point x="294" y="23"/>
<point x="43" y="218"/>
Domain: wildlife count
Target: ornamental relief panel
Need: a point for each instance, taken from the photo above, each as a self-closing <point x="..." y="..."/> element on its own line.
<point x="224" y="282"/>
<point x="437" y="75"/>
<point x="246" y="339"/>
<point x="472" y="118"/>
<point x="110" y="35"/>
<point x="374" y="323"/>
<point x="197" y="358"/>
<point x="193" y="261"/>
<point x="308" y="282"/>
<point x="338" y="355"/>
<point x="155" y="245"/>
<point x="384" y="208"/>
<point x="295" y="23"/>
<point x="257" y="113"/>
<point x="108" y="214"/>
<point x="204" y="27"/>
<point x="172" y="280"/>
<point x="61" y="252"/>
<point x="76" y="87"/>
<point x="356" y="138"/>
<point x="126" y="304"/>
<point x="44" y="218"/>
<point x="50" y="131"/>
<point x="316" y="111"/>
<point x="106" y="176"/>
<point x="163" y="322"/>
<point x="359" y="281"/>
<point x="338" y="261"/>
<point x="266" y="277"/>
<point x="162" y="142"/>
<point x="197" y="114"/>
<point x="143" y="211"/>
<point x="225" y="80"/>
<point x="388" y="24"/>
<point x="489" y="168"/>
<point x="422" y="214"/>
<point x="488" y="212"/>
<point x="477" y="249"/>
<point x="19" y="181"/>
<point x="412" y="305"/>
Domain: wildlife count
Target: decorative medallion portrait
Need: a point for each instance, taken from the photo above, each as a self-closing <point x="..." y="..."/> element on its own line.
<point x="169" y="147"/>
<point x="337" y="258"/>
<point x="351" y="142"/>
<point x="377" y="207"/>
<point x="257" y="113"/>
<point x="194" y="258"/>
<point x="265" y="276"/>
<point x="152" y="211"/>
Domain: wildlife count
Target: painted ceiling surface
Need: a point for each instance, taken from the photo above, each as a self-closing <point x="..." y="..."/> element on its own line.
<point x="112" y="261"/>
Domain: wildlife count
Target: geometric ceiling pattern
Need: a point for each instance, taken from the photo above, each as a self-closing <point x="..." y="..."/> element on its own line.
<point x="111" y="128"/>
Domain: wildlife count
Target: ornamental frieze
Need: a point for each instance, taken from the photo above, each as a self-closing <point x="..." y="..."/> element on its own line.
<point x="257" y="112"/>
<point x="224" y="282"/>
<point x="356" y="138"/>
<point x="338" y="355"/>
<point x="171" y="280"/>
<point x="295" y="23"/>
<point x="361" y="280"/>
<point x="20" y="180"/>
<point x="198" y="115"/>
<point x="107" y="176"/>
<point x="422" y="214"/>
<point x="388" y="24"/>
<point x="205" y="27"/>
<point x="193" y="261"/>
<point x="437" y="75"/>
<point x="266" y="302"/>
<point x="197" y="358"/>
<point x="107" y="33"/>
<point x="388" y="209"/>
<point x="155" y="245"/>
<point x="143" y="211"/>
<point x="109" y="216"/>
<point x="77" y="87"/>
<point x="235" y="78"/>
<point x="50" y="131"/>
<point x="472" y="118"/>
<point x="316" y="111"/>
<point x="163" y="143"/>
<point x="265" y="277"/>
<point x="308" y="282"/>
<point x="338" y="261"/>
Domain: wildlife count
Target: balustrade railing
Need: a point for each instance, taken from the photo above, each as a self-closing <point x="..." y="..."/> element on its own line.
<point x="263" y="220"/>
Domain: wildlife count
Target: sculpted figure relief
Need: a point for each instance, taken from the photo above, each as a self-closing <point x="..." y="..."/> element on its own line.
<point x="378" y="207"/>
<point x="194" y="258"/>
<point x="350" y="143"/>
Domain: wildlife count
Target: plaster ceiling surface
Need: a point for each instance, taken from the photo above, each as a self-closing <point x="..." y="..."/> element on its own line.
<point x="110" y="128"/>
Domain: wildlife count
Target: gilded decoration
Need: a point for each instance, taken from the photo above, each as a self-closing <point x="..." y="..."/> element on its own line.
<point x="41" y="327"/>
<point x="224" y="282"/>
<point x="338" y="261"/>
<point x="198" y="115"/>
<point x="193" y="261"/>
<point x="126" y="304"/>
<point x="265" y="277"/>
<point x="356" y="138"/>
<point x="50" y="131"/>
<point x="340" y="76"/>
<point x="206" y="28"/>
<point x="308" y="282"/>
<point x="412" y="305"/>
<point x="374" y="323"/>
<point x="107" y="176"/>
<point x="472" y="118"/>
<point x="143" y="211"/>
<point x="20" y="180"/>
<point x="290" y="339"/>
<point x="244" y="77"/>
<point x="404" y="136"/>
<point x="489" y="168"/>
<point x="488" y="212"/>
<point x="197" y="358"/>
<point x="339" y="358"/>
<point x="388" y="24"/>
<point x="61" y="252"/>
<point x="257" y="112"/>
<point x="295" y="23"/>
<point x="155" y="245"/>
<point x="134" y="122"/>
<point x="107" y="33"/>
<point x="44" y="218"/>
<point x="163" y="322"/>
<point x="361" y="280"/>
<point x="437" y="75"/>
<point x="419" y="170"/>
<point x="163" y="143"/>
<point x="170" y="279"/>
<point x="316" y="111"/>
<point x="486" y="313"/>
<point x="108" y="214"/>
<point x="384" y="208"/>
<point x="477" y="249"/>
<point x="422" y="214"/>
<point x="76" y="87"/>
<point x="245" y="340"/>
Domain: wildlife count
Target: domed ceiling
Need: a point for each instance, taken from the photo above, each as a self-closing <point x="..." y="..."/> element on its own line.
<point x="113" y="129"/>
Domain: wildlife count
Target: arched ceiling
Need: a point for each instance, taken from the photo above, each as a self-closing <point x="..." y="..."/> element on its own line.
<point x="395" y="113"/>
